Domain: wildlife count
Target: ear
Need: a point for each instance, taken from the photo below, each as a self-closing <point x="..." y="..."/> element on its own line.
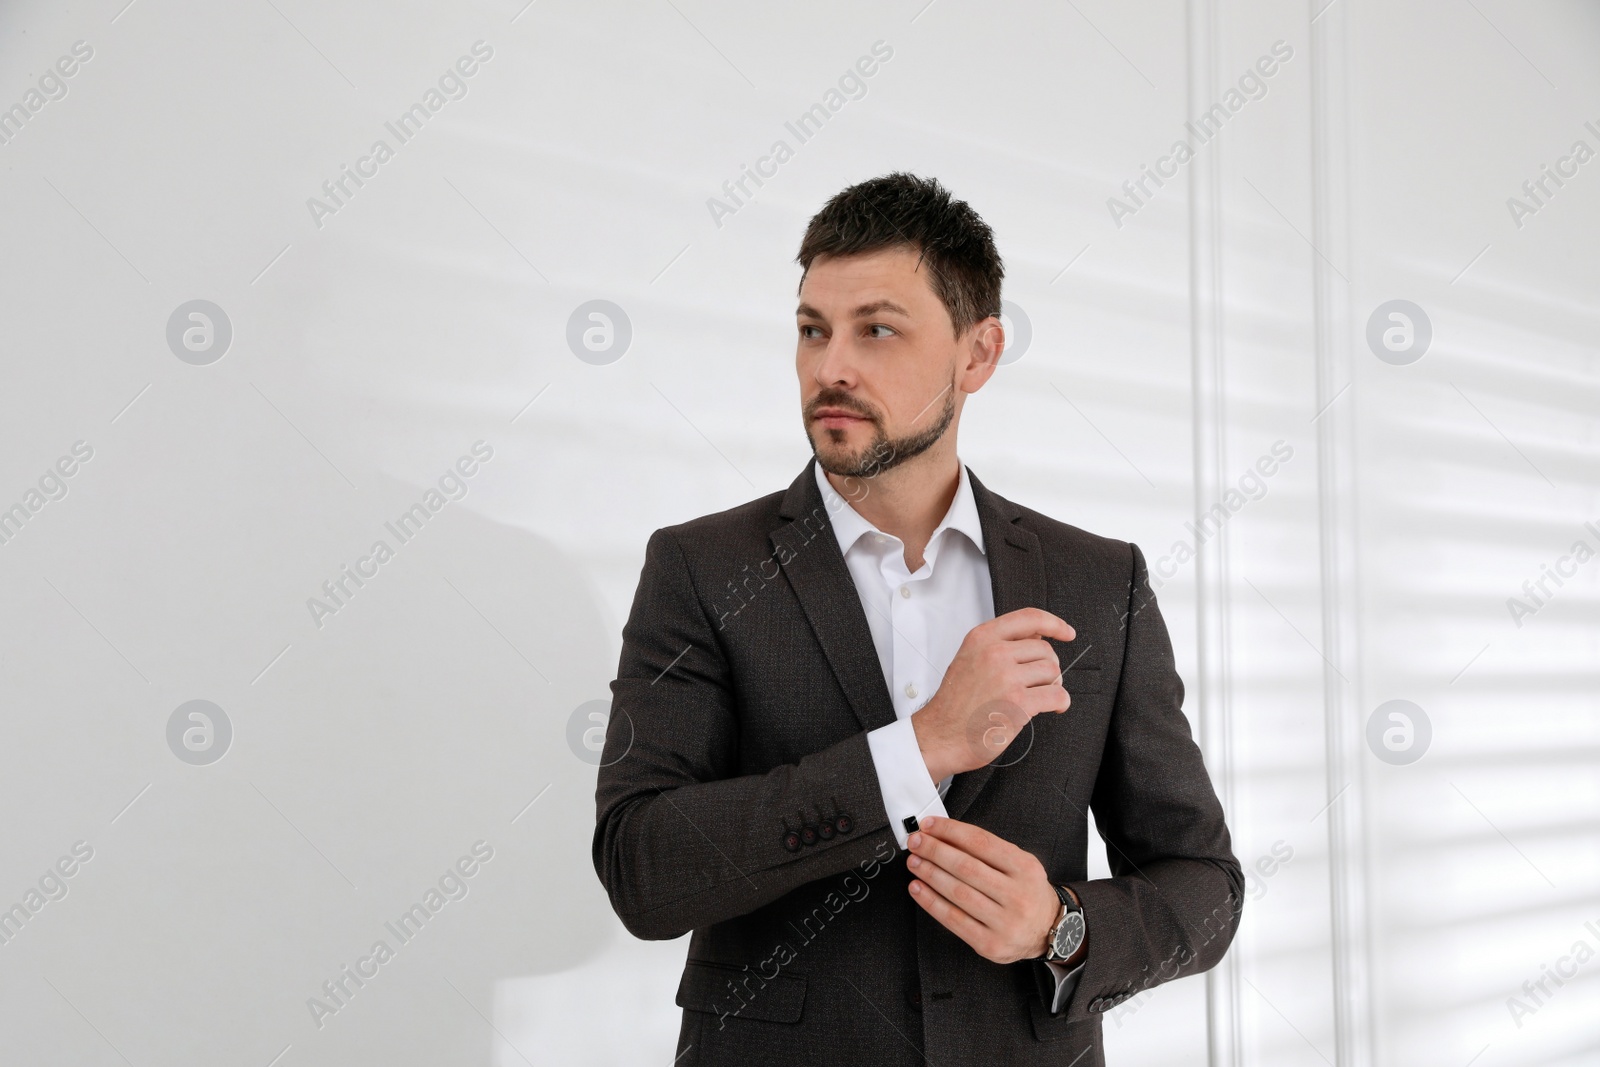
<point x="982" y="345"/>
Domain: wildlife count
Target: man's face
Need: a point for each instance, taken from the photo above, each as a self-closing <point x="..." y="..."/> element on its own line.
<point x="882" y="376"/>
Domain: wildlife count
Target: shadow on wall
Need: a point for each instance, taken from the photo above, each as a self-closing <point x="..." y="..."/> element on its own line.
<point x="556" y="929"/>
<point x="531" y="614"/>
<point x="431" y="713"/>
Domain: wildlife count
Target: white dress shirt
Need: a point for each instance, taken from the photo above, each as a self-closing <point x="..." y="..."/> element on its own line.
<point x="918" y="620"/>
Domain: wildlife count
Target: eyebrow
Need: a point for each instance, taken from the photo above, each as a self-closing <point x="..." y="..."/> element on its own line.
<point x="860" y="313"/>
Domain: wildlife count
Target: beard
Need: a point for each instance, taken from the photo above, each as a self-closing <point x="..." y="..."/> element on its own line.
<point x="882" y="453"/>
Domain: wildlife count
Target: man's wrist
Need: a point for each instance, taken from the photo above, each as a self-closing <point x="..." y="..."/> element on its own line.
<point x="930" y="759"/>
<point x="1047" y="938"/>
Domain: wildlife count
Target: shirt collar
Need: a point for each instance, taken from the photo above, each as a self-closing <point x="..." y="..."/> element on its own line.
<point x="849" y="526"/>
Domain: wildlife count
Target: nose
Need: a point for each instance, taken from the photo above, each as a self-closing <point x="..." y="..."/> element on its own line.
<point x="837" y="366"/>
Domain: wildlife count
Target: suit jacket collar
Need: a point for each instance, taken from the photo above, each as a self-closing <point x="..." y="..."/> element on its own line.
<point x="817" y="572"/>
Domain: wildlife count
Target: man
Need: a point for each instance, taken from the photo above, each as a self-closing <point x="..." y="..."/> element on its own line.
<point x="881" y="658"/>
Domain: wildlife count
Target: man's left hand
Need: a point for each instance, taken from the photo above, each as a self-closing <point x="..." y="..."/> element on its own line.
<point x="993" y="895"/>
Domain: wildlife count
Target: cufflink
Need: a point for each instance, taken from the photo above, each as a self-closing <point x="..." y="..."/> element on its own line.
<point x="910" y="824"/>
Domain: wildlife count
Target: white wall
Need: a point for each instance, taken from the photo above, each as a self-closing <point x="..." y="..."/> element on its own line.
<point x="1170" y="349"/>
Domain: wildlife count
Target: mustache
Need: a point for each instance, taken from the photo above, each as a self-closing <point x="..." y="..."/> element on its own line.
<point x="826" y="399"/>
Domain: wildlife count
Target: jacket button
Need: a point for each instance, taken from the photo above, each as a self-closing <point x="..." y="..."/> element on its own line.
<point x="916" y="1000"/>
<point x="843" y="824"/>
<point x="825" y="828"/>
<point x="808" y="834"/>
<point x="791" y="841"/>
<point x="1097" y="1004"/>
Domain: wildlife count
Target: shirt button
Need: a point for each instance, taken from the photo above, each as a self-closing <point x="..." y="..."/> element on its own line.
<point x="877" y="539"/>
<point x="911" y="691"/>
<point x="905" y="591"/>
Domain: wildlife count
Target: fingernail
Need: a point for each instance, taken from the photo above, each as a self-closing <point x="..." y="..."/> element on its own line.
<point x="914" y="840"/>
<point x="916" y="887"/>
<point x="914" y="861"/>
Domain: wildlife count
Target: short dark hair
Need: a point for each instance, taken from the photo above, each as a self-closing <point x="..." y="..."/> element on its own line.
<point x="902" y="209"/>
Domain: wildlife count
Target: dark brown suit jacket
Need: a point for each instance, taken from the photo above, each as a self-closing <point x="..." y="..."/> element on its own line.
<point x="747" y="684"/>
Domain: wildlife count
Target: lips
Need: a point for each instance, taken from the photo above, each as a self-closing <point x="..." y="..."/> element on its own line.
<point x="836" y="420"/>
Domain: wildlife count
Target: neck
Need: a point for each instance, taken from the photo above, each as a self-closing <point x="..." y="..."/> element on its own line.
<point x="908" y="500"/>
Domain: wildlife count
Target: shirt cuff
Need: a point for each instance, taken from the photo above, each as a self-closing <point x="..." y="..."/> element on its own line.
<point x="1066" y="982"/>
<point x="903" y="776"/>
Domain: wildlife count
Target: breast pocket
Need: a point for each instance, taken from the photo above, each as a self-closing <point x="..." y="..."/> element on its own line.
<point x="1081" y="671"/>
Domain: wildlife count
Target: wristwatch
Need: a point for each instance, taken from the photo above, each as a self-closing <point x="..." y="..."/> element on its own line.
<point x="1065" y="944"/>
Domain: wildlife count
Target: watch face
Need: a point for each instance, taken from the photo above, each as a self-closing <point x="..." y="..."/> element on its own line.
<point x="1069" y="934"/>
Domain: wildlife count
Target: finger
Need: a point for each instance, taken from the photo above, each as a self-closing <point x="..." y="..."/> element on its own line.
<point x="1031" y="622"/>
<point x="948" y="915"/>
<point x="1034" y="650"/>
<point x="979" y="905"/>
<point x="990" y="849"/>
<point x="961" y="861"/>
<point x="1038" y="672"/>
<point x="1042" y="699"/>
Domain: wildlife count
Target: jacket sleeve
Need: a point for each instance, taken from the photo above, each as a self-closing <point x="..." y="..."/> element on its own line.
<point x="682" y="840"/>
<point x="1173" y="901"/>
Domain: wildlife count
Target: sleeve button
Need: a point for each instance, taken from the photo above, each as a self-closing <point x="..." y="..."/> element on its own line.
<point x="791" y="841"/>
<point x="843" y="824"/>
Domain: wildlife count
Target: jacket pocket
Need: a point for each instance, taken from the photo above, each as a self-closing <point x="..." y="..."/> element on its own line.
<point x="1082" y="1033"/>
<point x="735" y="992"/>
<point x="1082" y="671"/>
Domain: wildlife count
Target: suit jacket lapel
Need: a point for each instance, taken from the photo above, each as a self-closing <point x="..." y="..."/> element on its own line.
<point x="1016" y="575"/>
<point x="808" y="552"/>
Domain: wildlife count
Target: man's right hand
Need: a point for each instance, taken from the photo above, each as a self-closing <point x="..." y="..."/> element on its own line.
<point x="1003" y="675"/>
